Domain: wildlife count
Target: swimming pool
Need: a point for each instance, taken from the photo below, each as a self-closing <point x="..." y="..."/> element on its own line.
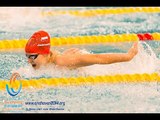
<point x="104" y="98"/>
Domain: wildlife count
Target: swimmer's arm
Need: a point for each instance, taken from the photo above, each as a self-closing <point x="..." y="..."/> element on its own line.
<point x="90" y="59"/>
<point x="110" y="58"/>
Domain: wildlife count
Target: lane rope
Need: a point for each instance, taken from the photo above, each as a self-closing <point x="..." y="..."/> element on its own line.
<point x="108" y="11"/>
<point x="51" y="82"/>
<point x="76" y="40"/>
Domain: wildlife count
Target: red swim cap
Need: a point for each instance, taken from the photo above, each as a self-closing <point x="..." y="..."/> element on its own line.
<point x="38" y="43"/>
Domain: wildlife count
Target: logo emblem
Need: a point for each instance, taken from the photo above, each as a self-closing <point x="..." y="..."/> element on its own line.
<point x="44" y="38"/>
<point x="11" y="90"/>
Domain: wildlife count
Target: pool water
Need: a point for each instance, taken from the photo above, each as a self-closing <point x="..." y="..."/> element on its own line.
<point x="104" y="98"/>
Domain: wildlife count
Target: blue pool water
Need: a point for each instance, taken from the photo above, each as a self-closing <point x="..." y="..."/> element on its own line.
<point x="105" y="98"/>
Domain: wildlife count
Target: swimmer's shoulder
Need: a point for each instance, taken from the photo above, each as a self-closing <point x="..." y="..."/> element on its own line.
<point x="55" y="53"/>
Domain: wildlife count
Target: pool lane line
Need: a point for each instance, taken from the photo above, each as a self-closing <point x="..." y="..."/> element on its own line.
<point x="102" y="11"/>
<point x="90" y="80"/>
<point x="76" y="40"/>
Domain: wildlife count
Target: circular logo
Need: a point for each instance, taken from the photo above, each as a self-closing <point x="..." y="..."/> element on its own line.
<point x="11" y="90"/>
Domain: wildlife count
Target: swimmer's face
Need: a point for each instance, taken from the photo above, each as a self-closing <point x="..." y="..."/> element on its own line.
<point x="37" y="60"/>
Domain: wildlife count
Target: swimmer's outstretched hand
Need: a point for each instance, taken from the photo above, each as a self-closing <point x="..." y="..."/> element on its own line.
<point x="133" y="50"/>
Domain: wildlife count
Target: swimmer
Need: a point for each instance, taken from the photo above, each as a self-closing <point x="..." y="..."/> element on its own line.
<point x="39" y="54"/>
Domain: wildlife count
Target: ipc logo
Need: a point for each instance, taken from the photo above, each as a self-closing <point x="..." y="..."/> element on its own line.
<point x="10" y="90"/>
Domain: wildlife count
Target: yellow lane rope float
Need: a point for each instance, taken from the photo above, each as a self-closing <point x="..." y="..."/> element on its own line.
<point x="51" y="82"/>
<point x="73" y="40"/>
<point x="95" y="12"/>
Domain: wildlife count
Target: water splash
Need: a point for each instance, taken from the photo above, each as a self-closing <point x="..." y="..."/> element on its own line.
<point x="144" y="62"/>
<point x="25" y="16"/>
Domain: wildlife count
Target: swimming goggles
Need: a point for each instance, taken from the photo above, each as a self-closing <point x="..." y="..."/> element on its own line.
<point x="33" y="57"/>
